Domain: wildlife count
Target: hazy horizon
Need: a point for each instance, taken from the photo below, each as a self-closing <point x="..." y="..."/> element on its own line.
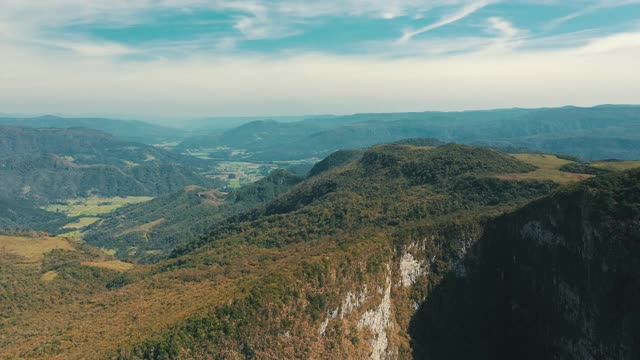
<point x="176" y="121"/>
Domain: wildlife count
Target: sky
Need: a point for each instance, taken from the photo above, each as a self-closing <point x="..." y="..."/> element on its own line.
<point x="173" y="59"/>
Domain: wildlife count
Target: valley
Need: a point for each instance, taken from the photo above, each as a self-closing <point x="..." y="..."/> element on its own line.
<point x="356" y="254"/>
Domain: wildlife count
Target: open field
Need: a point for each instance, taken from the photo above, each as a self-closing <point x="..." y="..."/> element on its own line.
<point x="75" y="235"/>
<point x="217" y="153"/>
<point x="32" y="248"/>
<point x="417" y="148"/>
<point x="144" y="228"/>
<point x="238" y="173"/>
<point x="49" y="275"/>
<point x="91" y="207"/>
<point x="116" y="265"/>
<point x="548" y="169"/>
<point x="81" y="222"/>
<point x="617" y="165"/>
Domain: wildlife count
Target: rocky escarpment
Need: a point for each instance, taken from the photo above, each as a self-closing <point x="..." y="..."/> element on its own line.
<point x="559" y="278"/>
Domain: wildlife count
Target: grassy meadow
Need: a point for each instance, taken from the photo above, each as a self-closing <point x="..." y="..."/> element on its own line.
<point x="32" y="249"/>
<point x="93" y="206"/>
<point x="548" y="168"/>
<point x="617" y="165"/>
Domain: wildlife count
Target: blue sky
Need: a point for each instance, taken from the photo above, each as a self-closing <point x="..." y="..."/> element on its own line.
<point x="193" y="58"/>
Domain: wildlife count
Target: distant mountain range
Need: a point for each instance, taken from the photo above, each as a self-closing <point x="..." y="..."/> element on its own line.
<point x="590" y="133"/>
<point x="129" y="130"/>
<point x="46" y="164"/>
<point x="600" y="132"/>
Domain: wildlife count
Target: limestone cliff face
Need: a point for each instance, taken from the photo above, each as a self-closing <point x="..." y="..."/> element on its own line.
<point x="560" y="278"/>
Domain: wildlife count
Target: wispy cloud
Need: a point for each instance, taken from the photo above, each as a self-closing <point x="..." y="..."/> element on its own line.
<point x="507" y="36"/>
<point x="451" y="18"/>
<point x="505" y="27"/>
<point x="99" y="49"/>
<point x="45" y="21"/>
<point x="589" y="9"/>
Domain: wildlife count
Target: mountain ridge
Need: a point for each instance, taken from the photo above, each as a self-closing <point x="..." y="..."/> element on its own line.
<point x="335" y="267"/>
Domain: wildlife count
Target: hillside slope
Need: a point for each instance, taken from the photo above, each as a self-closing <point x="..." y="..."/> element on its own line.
<point x="266" y="283"/>
<point x="150" y="231"/>
<point x="16" y="214"/>
<point x="54" y="164"/>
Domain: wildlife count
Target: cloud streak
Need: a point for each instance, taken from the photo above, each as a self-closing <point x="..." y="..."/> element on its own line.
<point x="600" y="5"/>
<point x="456" y="16"/>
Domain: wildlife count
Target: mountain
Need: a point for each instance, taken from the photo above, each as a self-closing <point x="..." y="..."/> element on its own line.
<point x="129" y="130"/>
<point x="151" y="230"/>
<point x="265" y="281"/>
<point x="255" y="135"/>
<point x="216" y="123"/>
<point x="599" y="132"/>
<point x="46" y="164"/>
<point x="352" y="262"/>
<point x="367" y="192"/>
<point x="335" y="160"/>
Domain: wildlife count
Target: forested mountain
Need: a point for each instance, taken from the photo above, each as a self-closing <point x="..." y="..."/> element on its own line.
<point x="335" y="160"/>
<point x="52" y="164"/>
<point x="324" y="268"/>
<point x="151" y="230"/>
<point x="379" y="253"/>
<point x="255" y="135"/>
<point x="129" y="130"/>
<point x="599" y="132"/>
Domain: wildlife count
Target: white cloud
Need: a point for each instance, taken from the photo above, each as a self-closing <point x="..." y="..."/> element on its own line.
<point x="505" y="27"/>
<point x="612" y="43"/>
<point x="508" y="37"/>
